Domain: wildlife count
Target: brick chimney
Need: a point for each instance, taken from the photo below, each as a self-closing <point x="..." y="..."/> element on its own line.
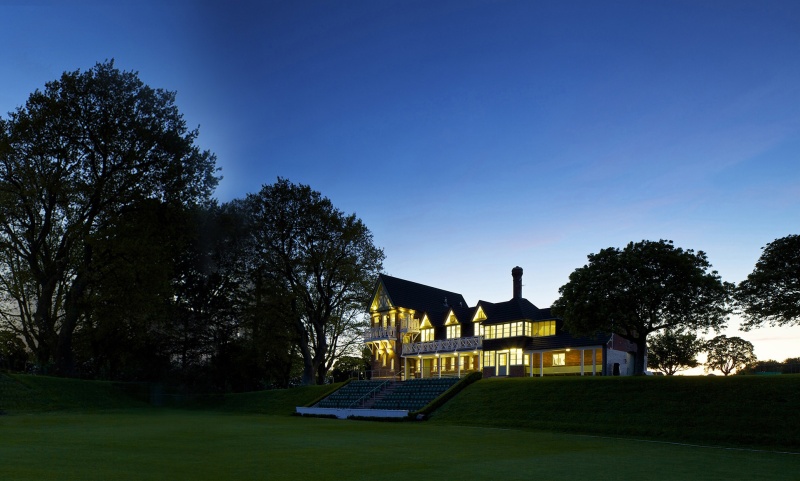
<point x="516" y="273"/>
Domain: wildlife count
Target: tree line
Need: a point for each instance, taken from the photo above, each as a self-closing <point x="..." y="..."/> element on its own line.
<point x="117" y="263"/>
<point x="660" y="297"/>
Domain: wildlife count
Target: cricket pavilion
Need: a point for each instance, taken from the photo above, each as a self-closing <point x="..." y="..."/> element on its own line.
<point x="417" y="332"/>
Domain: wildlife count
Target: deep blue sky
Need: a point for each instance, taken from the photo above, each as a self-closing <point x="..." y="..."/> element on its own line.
<point x="475" y="136"/>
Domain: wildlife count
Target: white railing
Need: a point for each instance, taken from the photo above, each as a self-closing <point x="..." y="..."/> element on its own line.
<point x="409" y="326"/>
<point x="377" y="333"/>
<point x="444" y="345"/>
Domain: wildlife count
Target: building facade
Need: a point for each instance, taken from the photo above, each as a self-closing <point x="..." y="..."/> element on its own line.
<point x="418" y="331"/>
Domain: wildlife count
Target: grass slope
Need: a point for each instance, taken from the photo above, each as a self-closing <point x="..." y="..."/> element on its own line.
<point x="199" y="445"/>
<point x="275" y="402"/>
<point x="21" y="393"/>
<point x="736" y="410"/>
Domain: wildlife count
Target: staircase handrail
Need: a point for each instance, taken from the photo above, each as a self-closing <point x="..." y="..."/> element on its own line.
<point x="372" y="393"/>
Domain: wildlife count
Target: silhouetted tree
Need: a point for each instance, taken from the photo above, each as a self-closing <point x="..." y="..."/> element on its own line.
<point x="644" y="288"/>
<point x="728" y="354"/>
<point x="322" y="261"/>
<point x="671" y="351"/>
<point x="73" y="159"/>
<point x="13" y="355"/>
<point x="771" y="293"/>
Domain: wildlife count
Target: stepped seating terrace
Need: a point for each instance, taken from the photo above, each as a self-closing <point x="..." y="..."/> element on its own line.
<point x="353" y="394"/>
<point x="414" y="394"/>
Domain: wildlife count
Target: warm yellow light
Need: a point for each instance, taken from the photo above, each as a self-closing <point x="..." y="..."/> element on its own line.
<point x="568" y="349"/>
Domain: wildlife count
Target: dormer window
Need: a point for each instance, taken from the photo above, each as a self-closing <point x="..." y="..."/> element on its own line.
<point x="454" y="331"/>
<point x="453" y="327"/>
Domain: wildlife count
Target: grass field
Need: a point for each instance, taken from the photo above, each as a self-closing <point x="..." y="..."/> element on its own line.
<point x="146" y="444"/>
<point x="495" y="429"/>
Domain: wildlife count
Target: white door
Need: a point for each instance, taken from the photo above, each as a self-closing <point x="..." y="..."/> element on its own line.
<point x="502" y="364"/>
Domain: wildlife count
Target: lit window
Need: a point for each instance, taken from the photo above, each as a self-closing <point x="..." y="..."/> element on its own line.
<point x="427" y="334"/>
<point x="559" y="359"/>
<point x="453" y="331"/>
<point x="544" y="328"/>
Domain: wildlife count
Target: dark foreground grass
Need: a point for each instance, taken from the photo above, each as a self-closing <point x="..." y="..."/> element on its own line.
<point x="755" y="411"/>
<point x="157" y="444"/>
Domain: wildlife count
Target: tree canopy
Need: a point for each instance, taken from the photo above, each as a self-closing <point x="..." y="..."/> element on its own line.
<point x="76" y="161"/>
<point x="319" y="260"/>
<point x="671" y="351"/>
<point x="728" y="354"/>
<point x="644" y="288"/>
<point x="771" y="293"/>
<point x="116" y="263"/>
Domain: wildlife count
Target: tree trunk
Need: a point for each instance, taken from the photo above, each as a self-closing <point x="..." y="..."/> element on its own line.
<point x="639" y="359"/>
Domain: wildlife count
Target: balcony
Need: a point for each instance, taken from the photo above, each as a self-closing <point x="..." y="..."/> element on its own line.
<point x="444" y="345"/>
<point x="411" y="325"/>
<point x="380" y="334"/>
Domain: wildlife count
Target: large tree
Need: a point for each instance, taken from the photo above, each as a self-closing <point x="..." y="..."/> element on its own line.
<point x="641" y="289"/>
<point x="78" y="155"/>
<point x="320" y="261"/>
<point x="771" y="293"/>
<point x="728" y="354"/>
<point x="671" y="351"/>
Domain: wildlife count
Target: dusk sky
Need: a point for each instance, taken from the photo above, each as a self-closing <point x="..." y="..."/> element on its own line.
<point x="472" y="137"/>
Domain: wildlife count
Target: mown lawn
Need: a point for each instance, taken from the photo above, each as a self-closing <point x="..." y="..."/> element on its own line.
<point x="743" y="411"/>
<point x="157" y="444"/>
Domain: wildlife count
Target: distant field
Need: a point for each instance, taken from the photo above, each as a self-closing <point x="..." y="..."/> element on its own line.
<point x="158" y="444"/>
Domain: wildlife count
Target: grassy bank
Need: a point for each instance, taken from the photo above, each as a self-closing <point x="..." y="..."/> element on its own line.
<point x="737" y="410"/>
<point x="740" y="410"/>
<point x="21" y="393"/>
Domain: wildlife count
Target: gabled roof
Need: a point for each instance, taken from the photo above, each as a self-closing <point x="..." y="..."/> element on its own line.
<point x="422" y="298"/>
<point x="516" y="309"/>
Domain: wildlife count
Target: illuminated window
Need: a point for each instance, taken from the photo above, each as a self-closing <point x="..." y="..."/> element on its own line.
<point x="488" y="358"/>
<point x="479" y="329"/>
<point x="544" y="328"/>
<point x="427" y="334"/>
<point x="559" y="358"/>
<point x="453" y="331"/>
<point x="515" y="357"/>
